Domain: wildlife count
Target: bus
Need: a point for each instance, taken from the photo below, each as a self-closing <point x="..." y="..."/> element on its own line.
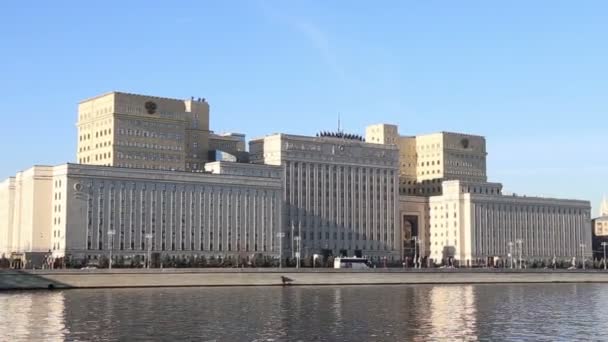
<point x="353" y="262"/>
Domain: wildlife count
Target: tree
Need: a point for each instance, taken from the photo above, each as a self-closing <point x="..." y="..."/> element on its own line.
<point x="258" y="260"/>
<point x="228" y="262"/>
<point x="5" y="262"/>
<point x="136" y="261"/>
<point x="202" y="261"/>
<point x="212" y="262"/>
<point x="165" y="261"/>
<point x="307" y="262"/>
<point x="119" y="262"/>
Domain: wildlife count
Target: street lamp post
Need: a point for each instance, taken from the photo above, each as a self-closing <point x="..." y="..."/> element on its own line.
<point x="297" y="239"/>
<point x="510" y="252"/>
<point x="583" y="254"/>
<point x="520" y="244"/>
<point x="420" y="243"/>
<point x="281" y="236"/>
<point x="149" y="237"/>
<point x="415" y="239"/>
<point x="111" y="234"/>
<point x="604" y="244"/>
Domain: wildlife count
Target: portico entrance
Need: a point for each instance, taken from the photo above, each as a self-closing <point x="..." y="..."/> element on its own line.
<point x="409" y="232"/>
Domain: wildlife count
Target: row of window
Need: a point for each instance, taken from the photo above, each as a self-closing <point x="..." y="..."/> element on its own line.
<point x="148" y="166"/>
<point x="422" y="173"/>
<point x="159" y="126"/>
<point x="176" y="233"/>
<point x="151" y="134"/>
<point x="138" y="144"/>
<point x="172" y="158"/>
<point x="530" y="209"/>
<point x="554" y="237"/>
<point x="98" y="111"/>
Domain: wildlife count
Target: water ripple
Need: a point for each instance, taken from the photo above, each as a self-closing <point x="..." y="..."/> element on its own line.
<point x="539" y="312"/>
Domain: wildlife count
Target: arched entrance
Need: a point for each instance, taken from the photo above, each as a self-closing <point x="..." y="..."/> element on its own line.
<point x="409" y="230"/>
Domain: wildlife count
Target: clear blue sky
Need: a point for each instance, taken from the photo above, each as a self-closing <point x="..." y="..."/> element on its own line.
<point x="531" y="76"/>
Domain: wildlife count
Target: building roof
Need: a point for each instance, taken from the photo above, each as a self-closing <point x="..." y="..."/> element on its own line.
<point x="131" y="94"/>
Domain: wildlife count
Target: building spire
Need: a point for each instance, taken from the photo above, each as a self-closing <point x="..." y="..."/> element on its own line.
<point x="604" y="207"/>
<point x="339" y="123"/>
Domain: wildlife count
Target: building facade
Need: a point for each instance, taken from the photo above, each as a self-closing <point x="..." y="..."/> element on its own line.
<point x="84" y="211"/>
<point x="340" y="193"/>
<point x="25" y="211"/>
<point x="414" y="223"/>
<point x="232" y="143"/>
<point x="427" y="160"/>
<point x="139" y="131"/>
<point x="470" y="223"/>
<point x="7" y="202"/>
<point x="599" y="226"/>
<point x="449" y="211"/>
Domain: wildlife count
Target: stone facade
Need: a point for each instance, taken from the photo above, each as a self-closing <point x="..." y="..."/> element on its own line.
<point x="449" y="210"/>
<point x="427" y="160"/>
<point x="472" y="226"/>
<point x="340" y="194"/>
<point x="26" y="211"/>
<point x="231" y="210"/>
<point x="7" y="202"/>
<point x="414" y="222"/>
<point x="138" y="131"/>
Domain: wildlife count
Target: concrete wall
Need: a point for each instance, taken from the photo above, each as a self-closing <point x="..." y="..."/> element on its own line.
<point x="181" y="278"/>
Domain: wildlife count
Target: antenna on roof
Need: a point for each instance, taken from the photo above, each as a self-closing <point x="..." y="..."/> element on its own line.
<point x="338" y="122"/>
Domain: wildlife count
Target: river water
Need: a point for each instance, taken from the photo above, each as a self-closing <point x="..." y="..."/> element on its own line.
<point x="568" y="312"/>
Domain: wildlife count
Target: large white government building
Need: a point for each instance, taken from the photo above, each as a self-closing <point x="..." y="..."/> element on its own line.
<point x="340" y="193"/>
<point x="450" y="210"/>
<point x="470" y="224"/>
<point x="146" y="180"/>
<point x="84" y="211"/>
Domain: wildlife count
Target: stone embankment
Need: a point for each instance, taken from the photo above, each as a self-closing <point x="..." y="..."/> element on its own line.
<point x="118" y="278"/>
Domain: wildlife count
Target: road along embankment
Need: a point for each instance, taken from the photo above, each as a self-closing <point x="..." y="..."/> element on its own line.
<point x="120" y="278"/>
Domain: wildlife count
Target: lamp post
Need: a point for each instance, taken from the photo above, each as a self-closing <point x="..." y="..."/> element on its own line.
<point x="604" y="244"/>
<point x="149" y="237"/>
<point x="297" y="239"/>
<point x="510" y="252"/>
<point x="111" y="234"/>
<point x="420" y="243"/>
<point x="583" y="254"/>
<point x="520" y="243"/>
<point x="281" y="236"/>
<point x="415" y="239"/>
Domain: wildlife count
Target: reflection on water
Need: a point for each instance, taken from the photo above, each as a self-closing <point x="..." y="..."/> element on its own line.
<point x="32" y="316"/>
<point x="361" y="313"/>
<point x="452" y="313"/>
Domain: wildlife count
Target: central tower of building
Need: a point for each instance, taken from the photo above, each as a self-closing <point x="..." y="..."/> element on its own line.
<point x="340" y="193"/>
